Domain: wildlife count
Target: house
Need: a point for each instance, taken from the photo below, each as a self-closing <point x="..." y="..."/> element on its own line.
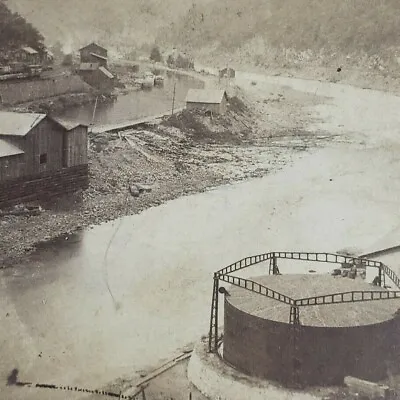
<point x="27" y="55"/>
<point x="40" y="155"/>
<point x="227" y="73"/>
<point x="93" y="53"/>
<point x="214" y="100"/>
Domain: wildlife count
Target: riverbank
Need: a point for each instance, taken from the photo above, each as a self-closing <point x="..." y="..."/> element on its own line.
<point x="183" y="154"/>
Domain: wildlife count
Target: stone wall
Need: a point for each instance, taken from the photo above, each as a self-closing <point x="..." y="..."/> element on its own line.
<point x="43" y="186"/>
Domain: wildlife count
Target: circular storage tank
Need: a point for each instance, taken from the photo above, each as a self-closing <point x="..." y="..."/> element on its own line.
<point x="333" y="341"/>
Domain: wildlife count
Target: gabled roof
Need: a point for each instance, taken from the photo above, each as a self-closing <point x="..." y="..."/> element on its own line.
<point x="18" y="124"/>
<point x="66" y="124"/>
<point x="92" y="44"/>
<point x="88" y="66"/>
<point x="29" y="50"/>
<point x="106" y="72"/>
<point x="98" y="56"/>
<point x="8" y="149"/>
<point x="209" y="96"/>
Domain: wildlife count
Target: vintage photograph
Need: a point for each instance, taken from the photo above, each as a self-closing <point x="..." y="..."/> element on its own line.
<point x="199" y="199"/>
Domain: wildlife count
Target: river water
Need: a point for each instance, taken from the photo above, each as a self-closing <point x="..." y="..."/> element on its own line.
<point x="79" y="314"/>
<point x="137" y="104"/>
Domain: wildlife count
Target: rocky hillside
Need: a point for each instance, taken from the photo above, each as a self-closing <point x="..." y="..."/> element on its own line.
<point x="292" y="31"/>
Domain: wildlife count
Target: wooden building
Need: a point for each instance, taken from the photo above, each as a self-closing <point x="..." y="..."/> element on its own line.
<point x="93" y="53"/>
<point x="214" y="101"/>
<point x="36" y="147"/>
<point x="28" y="55"/>
<point x="227" y="73"/>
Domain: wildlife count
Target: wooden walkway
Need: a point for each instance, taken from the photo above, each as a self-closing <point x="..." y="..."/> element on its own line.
<point x="130" y="124"/>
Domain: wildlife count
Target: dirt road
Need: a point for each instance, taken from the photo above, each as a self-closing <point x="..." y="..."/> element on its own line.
<point x="59" y="323"/>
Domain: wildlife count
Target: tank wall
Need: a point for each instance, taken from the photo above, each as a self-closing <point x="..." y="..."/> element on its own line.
<point x="265" y="349"/>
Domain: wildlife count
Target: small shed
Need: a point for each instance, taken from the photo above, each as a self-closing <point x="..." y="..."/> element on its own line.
<point x="93" y="53"/>
<point x="213" y="100"/>
<point x="227" y="73"/>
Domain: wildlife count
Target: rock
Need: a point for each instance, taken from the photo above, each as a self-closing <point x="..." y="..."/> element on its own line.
<point x="134" y="190"/>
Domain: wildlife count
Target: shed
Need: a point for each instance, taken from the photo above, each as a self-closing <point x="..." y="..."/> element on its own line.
<point x="94" y="53"/>
<point x="213" y="100"/>
<point x="45" y="144"/>
<point x="227" y="73"/>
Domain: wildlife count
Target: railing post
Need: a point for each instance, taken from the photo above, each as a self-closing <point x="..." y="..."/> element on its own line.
<point x="213" y="333"/>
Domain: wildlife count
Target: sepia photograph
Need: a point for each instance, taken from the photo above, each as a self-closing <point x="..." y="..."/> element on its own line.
<point x="199" y="199"/>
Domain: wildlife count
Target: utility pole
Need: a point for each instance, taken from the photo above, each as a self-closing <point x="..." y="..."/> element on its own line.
<point x="94" y="112"/>
<point x="173" y="99"/>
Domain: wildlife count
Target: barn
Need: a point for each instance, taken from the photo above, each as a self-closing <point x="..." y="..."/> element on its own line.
<point x="40" y="155"/>
<point x="213" y="100"/>
<point x="93" y="53"/>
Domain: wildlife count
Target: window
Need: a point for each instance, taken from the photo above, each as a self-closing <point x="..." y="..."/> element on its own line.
<point x="43" y="158"/>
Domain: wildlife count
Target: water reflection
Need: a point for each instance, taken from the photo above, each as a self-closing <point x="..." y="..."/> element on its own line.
<point x="137" y="104"/>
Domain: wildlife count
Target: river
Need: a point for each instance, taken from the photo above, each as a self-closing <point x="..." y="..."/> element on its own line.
<point x="137" y="104"/>
<point x="124" y="295"/>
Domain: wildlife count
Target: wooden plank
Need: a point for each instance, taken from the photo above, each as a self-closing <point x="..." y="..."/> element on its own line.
<point x="365" y="388"/>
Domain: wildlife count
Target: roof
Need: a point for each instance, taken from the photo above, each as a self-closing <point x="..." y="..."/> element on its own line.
<point x="8" y="149"/>
<point x="67" y="124"/>
<point x="18" y="124"/>
<point x="29" y="50"/>
<point x="98" y="56"/>
<point x="321" y="315"/>
<point x="92" y="44"/>
<point x="106" y="72"/>
<point x="205" y="96"/>
<point x="88" y="66"/>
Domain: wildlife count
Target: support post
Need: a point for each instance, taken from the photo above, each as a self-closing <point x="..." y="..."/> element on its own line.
<point x="213" y="333"/>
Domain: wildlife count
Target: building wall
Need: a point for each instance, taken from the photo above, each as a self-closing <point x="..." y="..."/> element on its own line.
<point x="265" y="349"/>
<point x="44" y="186"/>
<point x="214" y="108"/>
<point x="76" y="147"/>
<point x="98" y="80"/>
<point x="87" y="57"/>
<point x="12" y="167"/>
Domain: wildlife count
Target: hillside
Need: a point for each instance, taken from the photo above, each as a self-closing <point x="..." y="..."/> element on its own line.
<point x="264" y="32"/>
<point x="15" y="31"/>
<point x="121" y="24"/>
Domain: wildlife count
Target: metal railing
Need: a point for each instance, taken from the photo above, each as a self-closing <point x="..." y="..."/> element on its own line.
<point x="224" y="275"/>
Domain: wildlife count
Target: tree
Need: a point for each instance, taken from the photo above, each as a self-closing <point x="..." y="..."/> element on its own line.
<point x="15" y="31"/>
<point x="155" y="54"/>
